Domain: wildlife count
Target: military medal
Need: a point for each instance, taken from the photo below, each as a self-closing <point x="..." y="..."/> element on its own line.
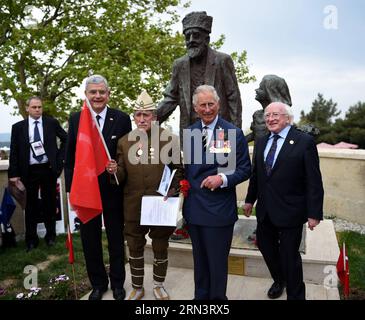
<point x="139" y="152"/>
<point x="220" y="139"/>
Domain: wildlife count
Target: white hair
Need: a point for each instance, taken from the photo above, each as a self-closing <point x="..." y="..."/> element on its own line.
<point x="288" y="110"/>
<point x="205" y="88"/>
<point x="290" y="114"/>
<point x="96" y="79"/>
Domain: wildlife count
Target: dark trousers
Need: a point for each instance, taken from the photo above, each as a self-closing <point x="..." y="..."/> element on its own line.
<point x="40" y="177"/>
<point x="91" y="237"/>
<point x="280" y="249"/>
<point x="211" y="247"/>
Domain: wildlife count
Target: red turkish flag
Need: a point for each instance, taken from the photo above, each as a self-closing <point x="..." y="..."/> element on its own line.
<point x="90" y="161"/>
<point x="69" y="246"/>
<point x="343" y="271"/>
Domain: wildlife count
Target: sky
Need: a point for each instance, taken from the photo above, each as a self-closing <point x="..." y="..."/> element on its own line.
<point x="315" y="45"/>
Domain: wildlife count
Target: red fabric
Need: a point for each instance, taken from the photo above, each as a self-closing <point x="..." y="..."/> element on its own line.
<point x="90" y="161"/>
<point x="184" y="187"/>
<point x="343" y="272"/>
<point x="69" y="246"/>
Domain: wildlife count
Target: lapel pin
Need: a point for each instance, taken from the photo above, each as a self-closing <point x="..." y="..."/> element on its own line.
<point x="111" y="119"/>
<point x="291" y="141"/>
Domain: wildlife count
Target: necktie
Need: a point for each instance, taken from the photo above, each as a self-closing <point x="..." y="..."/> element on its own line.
<point x="97" y="119"/>
<point x="271" y="154"/>
<point x="205" y="137"/>
<point x="37" y="137"/>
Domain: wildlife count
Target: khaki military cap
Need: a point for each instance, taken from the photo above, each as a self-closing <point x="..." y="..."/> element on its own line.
<point x="144" y="102"/>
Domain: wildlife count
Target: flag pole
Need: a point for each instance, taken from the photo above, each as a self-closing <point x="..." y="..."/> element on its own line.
<point x="67" y="219"/>
<point x="101" y="136"/>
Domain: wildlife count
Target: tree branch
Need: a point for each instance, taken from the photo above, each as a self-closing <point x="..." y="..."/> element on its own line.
<point x="55" y="15"/>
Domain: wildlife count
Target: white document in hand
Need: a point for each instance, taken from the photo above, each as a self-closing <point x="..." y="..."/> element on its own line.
<point x="157" y="212"/>
<point x="166" y="180"/>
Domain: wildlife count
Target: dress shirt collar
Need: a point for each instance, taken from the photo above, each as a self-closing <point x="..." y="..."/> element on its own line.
<point x="212" y="125"/>
<point x="32" y="120"/>
<point x="282" y="134"/>
<point x="102" y="114"/>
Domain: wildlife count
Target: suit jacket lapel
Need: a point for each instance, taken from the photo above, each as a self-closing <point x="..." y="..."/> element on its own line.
<point x="45" y="130"/>
<point x="186" y="81"/>
<point x="261" y="145"/>
<point x="108" y="123"/>
<point x="285" y="150"/>
<point x="210" y="68"/>
<point x="25" y="130"/>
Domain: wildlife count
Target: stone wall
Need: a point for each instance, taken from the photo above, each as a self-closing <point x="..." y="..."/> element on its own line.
<point x="17" y="219"/>
<point x="343" y="173"/>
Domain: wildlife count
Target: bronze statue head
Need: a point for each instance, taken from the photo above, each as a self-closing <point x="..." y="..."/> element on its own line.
<point x="273" y="89"/>
<point x="196" y="28"/>
<point x="197" y="19"/>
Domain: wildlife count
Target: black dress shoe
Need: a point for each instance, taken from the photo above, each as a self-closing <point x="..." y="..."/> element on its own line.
<point x="50" y="242"/>
<point x="118" y="294"/>
<point x="276" y="290"/>
<point x="96" y="294"/>
<point x="31" y="246"/>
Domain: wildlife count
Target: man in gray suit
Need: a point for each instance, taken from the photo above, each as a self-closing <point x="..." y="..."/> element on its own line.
<point x="201" y="65"/>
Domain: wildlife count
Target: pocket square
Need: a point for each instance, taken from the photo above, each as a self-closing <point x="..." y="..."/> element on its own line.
<point x="114" y="137"/>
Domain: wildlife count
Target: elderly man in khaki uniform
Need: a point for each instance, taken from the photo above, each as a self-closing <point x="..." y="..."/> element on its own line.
<point x="140" y="166"/>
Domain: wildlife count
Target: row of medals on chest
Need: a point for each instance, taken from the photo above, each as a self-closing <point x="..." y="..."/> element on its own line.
<point x="139" y="152"/>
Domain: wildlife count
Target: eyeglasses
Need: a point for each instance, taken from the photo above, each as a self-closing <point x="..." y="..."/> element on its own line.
<point x="101" y="92"/>
<point x="274" y="115"/>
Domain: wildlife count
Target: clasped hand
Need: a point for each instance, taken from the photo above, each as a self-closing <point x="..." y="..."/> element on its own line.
<point x="112" y="167"/>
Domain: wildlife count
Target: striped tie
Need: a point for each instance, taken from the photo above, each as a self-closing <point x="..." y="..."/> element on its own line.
<point x="205" y="137"/>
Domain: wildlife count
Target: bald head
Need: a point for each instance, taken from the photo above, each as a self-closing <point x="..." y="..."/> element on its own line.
<point x="278" y="115"/>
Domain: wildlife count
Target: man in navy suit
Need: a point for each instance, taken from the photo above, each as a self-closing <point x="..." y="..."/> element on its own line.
<point x="114" y="124"/>
<point x="216" y="160"/>
<point x="37" y="161"/>
<point x="287" y="184"/>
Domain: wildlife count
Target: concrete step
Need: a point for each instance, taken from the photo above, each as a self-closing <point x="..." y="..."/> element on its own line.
<point x="319" y="259"/>
<point x="180" y="286"/>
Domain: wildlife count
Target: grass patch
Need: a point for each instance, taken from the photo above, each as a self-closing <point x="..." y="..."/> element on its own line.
<point x="50" y="262"/>
<point x="355" y="245"/>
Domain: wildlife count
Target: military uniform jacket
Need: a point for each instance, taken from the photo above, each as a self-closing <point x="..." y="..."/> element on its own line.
<point x="142" y="179"/>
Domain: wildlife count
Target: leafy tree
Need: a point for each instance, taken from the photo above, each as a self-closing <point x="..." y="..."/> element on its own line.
<point x="47" y="47"/>
<point x="351" y="129"/>
<point x="321" y="113"/>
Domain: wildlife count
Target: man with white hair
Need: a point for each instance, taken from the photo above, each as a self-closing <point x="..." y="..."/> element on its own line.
<point x="113" y="124"/>
<point x="287" y="184"/>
